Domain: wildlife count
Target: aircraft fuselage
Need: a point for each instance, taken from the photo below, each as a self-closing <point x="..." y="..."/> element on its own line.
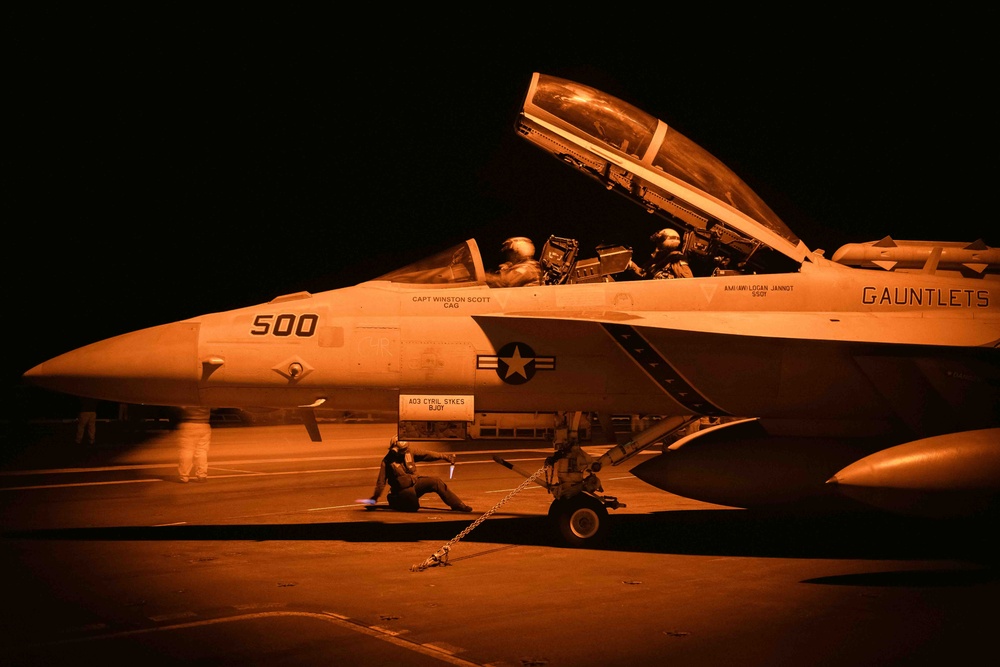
<point x="826" y="343"/>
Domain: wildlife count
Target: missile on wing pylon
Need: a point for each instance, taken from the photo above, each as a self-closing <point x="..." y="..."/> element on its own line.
<point x="974" y="259"/>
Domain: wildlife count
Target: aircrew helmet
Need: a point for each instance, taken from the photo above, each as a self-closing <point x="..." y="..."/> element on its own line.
<point x="519" y="247"/>
<point x="666" y="238"/>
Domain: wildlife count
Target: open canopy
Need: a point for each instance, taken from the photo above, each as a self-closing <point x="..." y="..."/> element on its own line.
<point x="637" y="155"/>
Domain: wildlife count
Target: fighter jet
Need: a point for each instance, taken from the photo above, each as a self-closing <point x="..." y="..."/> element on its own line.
<point x="867" y="379"/>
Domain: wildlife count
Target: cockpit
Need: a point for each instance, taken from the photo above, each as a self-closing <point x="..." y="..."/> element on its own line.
<point x="725" y="224"/>
<point x="726" y="227"/>
<point x="463" y="265"/>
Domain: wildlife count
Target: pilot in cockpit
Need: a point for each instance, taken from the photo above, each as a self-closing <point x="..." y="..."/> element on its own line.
<point x="521" y="268"/>
<point x="667" y="259"/>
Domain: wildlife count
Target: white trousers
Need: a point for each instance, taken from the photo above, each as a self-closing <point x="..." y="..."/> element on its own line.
<point x="193" y="441"/>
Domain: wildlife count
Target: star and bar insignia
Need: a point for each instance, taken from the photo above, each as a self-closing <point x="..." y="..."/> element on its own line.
<point x="515" y="363"/>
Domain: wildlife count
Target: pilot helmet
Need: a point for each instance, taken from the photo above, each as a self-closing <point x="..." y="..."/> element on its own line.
<point x="519" y="247"/>
<point x="666" y="238"/>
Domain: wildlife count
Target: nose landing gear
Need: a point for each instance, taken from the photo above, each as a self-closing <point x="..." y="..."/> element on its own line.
<point x="578" y="511"/>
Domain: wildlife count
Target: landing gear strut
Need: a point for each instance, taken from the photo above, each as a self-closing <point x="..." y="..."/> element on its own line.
<point x="578" y="511"/>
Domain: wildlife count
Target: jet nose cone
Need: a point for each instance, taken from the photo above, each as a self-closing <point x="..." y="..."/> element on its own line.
<point x="156" y="366"/>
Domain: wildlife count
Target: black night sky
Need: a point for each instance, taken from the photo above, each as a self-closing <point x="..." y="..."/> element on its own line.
<point x="161" y="166"/>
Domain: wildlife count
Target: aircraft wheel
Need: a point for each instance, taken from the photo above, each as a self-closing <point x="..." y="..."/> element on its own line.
<point x="582" y="520"/>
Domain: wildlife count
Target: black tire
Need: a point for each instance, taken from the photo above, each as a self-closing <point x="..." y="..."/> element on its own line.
<point x="582" y="520"/>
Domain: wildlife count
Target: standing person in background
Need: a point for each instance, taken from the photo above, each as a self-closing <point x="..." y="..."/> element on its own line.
<point x="86" y="421"/>
<point x="194" y="435"/>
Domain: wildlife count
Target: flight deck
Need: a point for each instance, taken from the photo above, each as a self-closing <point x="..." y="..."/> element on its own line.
<point x="272" y="561"/>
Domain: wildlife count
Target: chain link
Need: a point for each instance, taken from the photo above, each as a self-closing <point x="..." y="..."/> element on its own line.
<point x="440" y="557"/>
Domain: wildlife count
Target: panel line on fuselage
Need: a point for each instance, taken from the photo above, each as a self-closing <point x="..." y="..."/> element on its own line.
<point x="661" y="370"/>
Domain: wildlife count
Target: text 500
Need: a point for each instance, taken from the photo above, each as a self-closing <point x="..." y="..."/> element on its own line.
<point x="285" y="325"/>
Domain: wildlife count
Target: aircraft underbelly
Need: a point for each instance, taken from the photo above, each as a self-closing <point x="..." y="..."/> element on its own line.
<point x="779" y="378"/>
